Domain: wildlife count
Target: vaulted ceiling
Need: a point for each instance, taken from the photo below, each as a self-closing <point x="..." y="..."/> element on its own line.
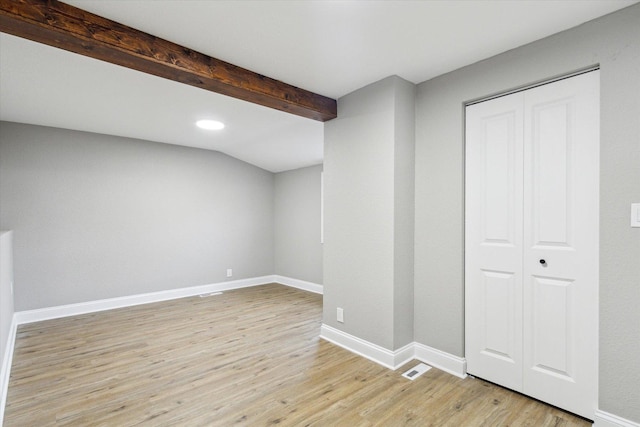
<point x="327" y="47"/>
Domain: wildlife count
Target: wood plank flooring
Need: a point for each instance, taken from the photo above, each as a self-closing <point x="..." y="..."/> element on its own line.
<point x="249" y="357"/>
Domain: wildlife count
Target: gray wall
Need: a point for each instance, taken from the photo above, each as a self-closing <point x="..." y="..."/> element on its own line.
<point x="368" y="221"/>
<point x="97" y="216"/>
<point x="404" y="211"/>
<point x="298" y="251"/>
<point x="614" y="43"/>
<point x="6" y="294"/>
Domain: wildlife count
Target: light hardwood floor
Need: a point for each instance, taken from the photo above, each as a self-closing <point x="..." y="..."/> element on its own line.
<point x="246" y="357"/>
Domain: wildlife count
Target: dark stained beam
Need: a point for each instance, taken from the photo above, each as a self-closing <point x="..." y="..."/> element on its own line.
<point x="66" y="27"/>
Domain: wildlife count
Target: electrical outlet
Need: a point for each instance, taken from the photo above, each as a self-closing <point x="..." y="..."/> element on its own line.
<point x="340" y="315"/>
<point x="229" y="272"/>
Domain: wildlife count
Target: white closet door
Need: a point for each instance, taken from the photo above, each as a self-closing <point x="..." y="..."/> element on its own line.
<point x="531" y="261"/>
<point x="493" y="240"/>
<point x="561" y="205"/>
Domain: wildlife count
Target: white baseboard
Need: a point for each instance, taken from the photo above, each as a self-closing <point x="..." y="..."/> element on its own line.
<point x="403" y="355"/>
<point x="48" y="313"/>
<point x="300" y="284"/>
<point x="30" y="316"/>
<point x="605" y="419"/>
<point x="7" y="359"/>
<point x="380" y="355"/>
<point x="439" y="359"/>
<point x="394" y="359"/>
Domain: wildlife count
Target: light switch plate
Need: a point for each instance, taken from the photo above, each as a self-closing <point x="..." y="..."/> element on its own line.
<point x="635" y="214"/>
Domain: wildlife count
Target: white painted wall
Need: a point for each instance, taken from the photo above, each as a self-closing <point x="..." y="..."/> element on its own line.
<point x="298" y="251"/>
<point x="98" y="216"/>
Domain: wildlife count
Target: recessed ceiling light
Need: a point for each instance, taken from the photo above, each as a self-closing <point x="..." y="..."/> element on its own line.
<point x="210" y="124"/>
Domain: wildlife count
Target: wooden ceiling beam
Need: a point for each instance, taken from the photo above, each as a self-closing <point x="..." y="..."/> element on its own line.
<point x="66" y="27"/>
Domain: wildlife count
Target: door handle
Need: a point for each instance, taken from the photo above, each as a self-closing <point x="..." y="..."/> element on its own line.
<point x="543" y="263"/>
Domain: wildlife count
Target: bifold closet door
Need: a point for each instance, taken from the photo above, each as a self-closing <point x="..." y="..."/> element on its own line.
<point x="493" y="236"/>
<point x="531" y="242"/>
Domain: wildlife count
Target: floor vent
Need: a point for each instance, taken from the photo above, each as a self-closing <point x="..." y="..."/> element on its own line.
<point x="210" y="294"/>
<point x="416" y="371"/>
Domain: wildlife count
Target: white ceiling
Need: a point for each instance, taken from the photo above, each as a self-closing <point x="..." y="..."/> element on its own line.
<point x="328" y="47"/>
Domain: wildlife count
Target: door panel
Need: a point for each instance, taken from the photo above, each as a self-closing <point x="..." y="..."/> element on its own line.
<point x="498" y="178"/>
<point x="494" y="240"/>
<point x="551" y="157"/>
<point x="498" y="338"/>
<point x="531" y="242"/>
<point x="552" y="326"/>
<point x="561" y="205"/>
